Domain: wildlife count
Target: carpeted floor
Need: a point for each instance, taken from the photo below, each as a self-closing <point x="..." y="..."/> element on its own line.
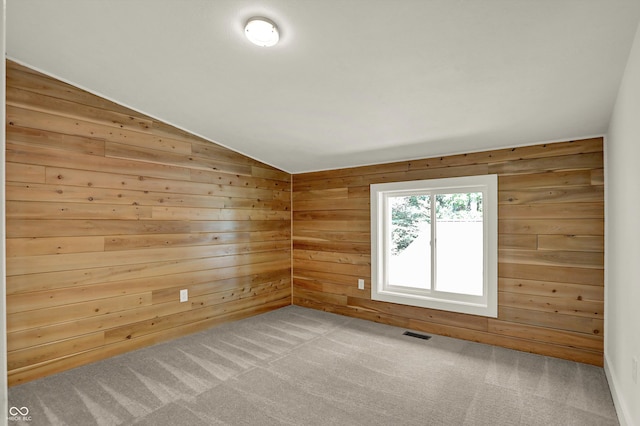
<point x="297" y="366"/>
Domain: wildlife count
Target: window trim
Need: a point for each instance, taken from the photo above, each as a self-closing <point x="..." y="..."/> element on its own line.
<point x="486" y="305"/>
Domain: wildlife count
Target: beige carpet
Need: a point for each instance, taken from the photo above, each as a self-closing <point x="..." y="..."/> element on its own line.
<point x="297" y="366"/>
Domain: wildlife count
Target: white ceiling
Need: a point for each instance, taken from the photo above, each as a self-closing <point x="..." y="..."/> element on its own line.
<point x="352" y="82"/>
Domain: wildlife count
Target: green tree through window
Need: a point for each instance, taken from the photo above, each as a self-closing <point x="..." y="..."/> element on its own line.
<point x="410" y="213"/>
<point x="407" y="213"/>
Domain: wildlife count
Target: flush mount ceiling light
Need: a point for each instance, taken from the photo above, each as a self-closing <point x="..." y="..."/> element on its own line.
<point x="262" y="31"/>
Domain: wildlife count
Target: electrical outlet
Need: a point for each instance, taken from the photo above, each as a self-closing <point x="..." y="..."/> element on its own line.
<point x="634" y="369"/>
<point x="360" y="284"/>
<point x="184" y="295"/>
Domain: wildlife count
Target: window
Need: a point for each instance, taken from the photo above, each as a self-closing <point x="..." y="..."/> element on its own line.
<point x="434" y="244"/>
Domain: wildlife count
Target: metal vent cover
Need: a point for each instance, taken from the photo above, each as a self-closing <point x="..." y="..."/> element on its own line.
<point x="417" y="335"/>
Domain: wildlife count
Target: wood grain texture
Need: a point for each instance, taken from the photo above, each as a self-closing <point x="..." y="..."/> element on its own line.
<point x="550" y="240"/>
<point x="111" y="213"/>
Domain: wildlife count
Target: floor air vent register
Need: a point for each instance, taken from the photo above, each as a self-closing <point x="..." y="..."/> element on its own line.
<point x="416" y="335"/>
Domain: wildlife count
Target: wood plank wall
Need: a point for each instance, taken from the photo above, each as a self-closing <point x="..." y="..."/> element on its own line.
<point x="551" y="260"/>
<point x="111" y="213"/>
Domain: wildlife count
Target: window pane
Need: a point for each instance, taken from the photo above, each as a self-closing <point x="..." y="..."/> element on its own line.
<point x="410" y="241"/>
<point x="459" y="243"/>
<point x="461" y="213"/>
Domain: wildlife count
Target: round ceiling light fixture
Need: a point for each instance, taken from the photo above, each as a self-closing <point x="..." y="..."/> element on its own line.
<point x="262" y="32"/>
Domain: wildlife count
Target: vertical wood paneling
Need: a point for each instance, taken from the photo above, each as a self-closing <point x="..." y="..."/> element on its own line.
<point x="111" y="213"/>
<point x="551" y="247"/>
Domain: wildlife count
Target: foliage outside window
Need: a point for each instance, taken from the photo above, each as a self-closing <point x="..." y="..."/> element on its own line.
<point x="407" y="216"/>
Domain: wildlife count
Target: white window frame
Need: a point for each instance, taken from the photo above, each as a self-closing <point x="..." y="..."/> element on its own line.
<point x="485" y="305"/>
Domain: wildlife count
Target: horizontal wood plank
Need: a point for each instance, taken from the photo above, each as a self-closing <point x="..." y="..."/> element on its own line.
<point x="539" y="165"/>
<point x="557" y="179"/>
<point x="552" y="211"/>
<point x="593" y="227"/>
<point x="17" y="247"/>
<point x="552" y="289"/>
<point x="517" y="241"/>
<point x="567" y="338"/>
<point x="571" y="242"/>
<point x="582" y="308"/>
<point x="566" y="194"/>
<point x="63" y="262"/>
<point x="552" y="320"/>
<point x="580" y="259"/>
<point x="552" y="273"/>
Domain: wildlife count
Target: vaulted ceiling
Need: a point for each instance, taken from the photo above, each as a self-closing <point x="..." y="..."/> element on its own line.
<point x="351" y="82"/>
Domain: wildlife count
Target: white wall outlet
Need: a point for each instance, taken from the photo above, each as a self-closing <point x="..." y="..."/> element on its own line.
<point x="360" y="284"/>
<point x="634" y="369"/>
<point x="184" y="295"/>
